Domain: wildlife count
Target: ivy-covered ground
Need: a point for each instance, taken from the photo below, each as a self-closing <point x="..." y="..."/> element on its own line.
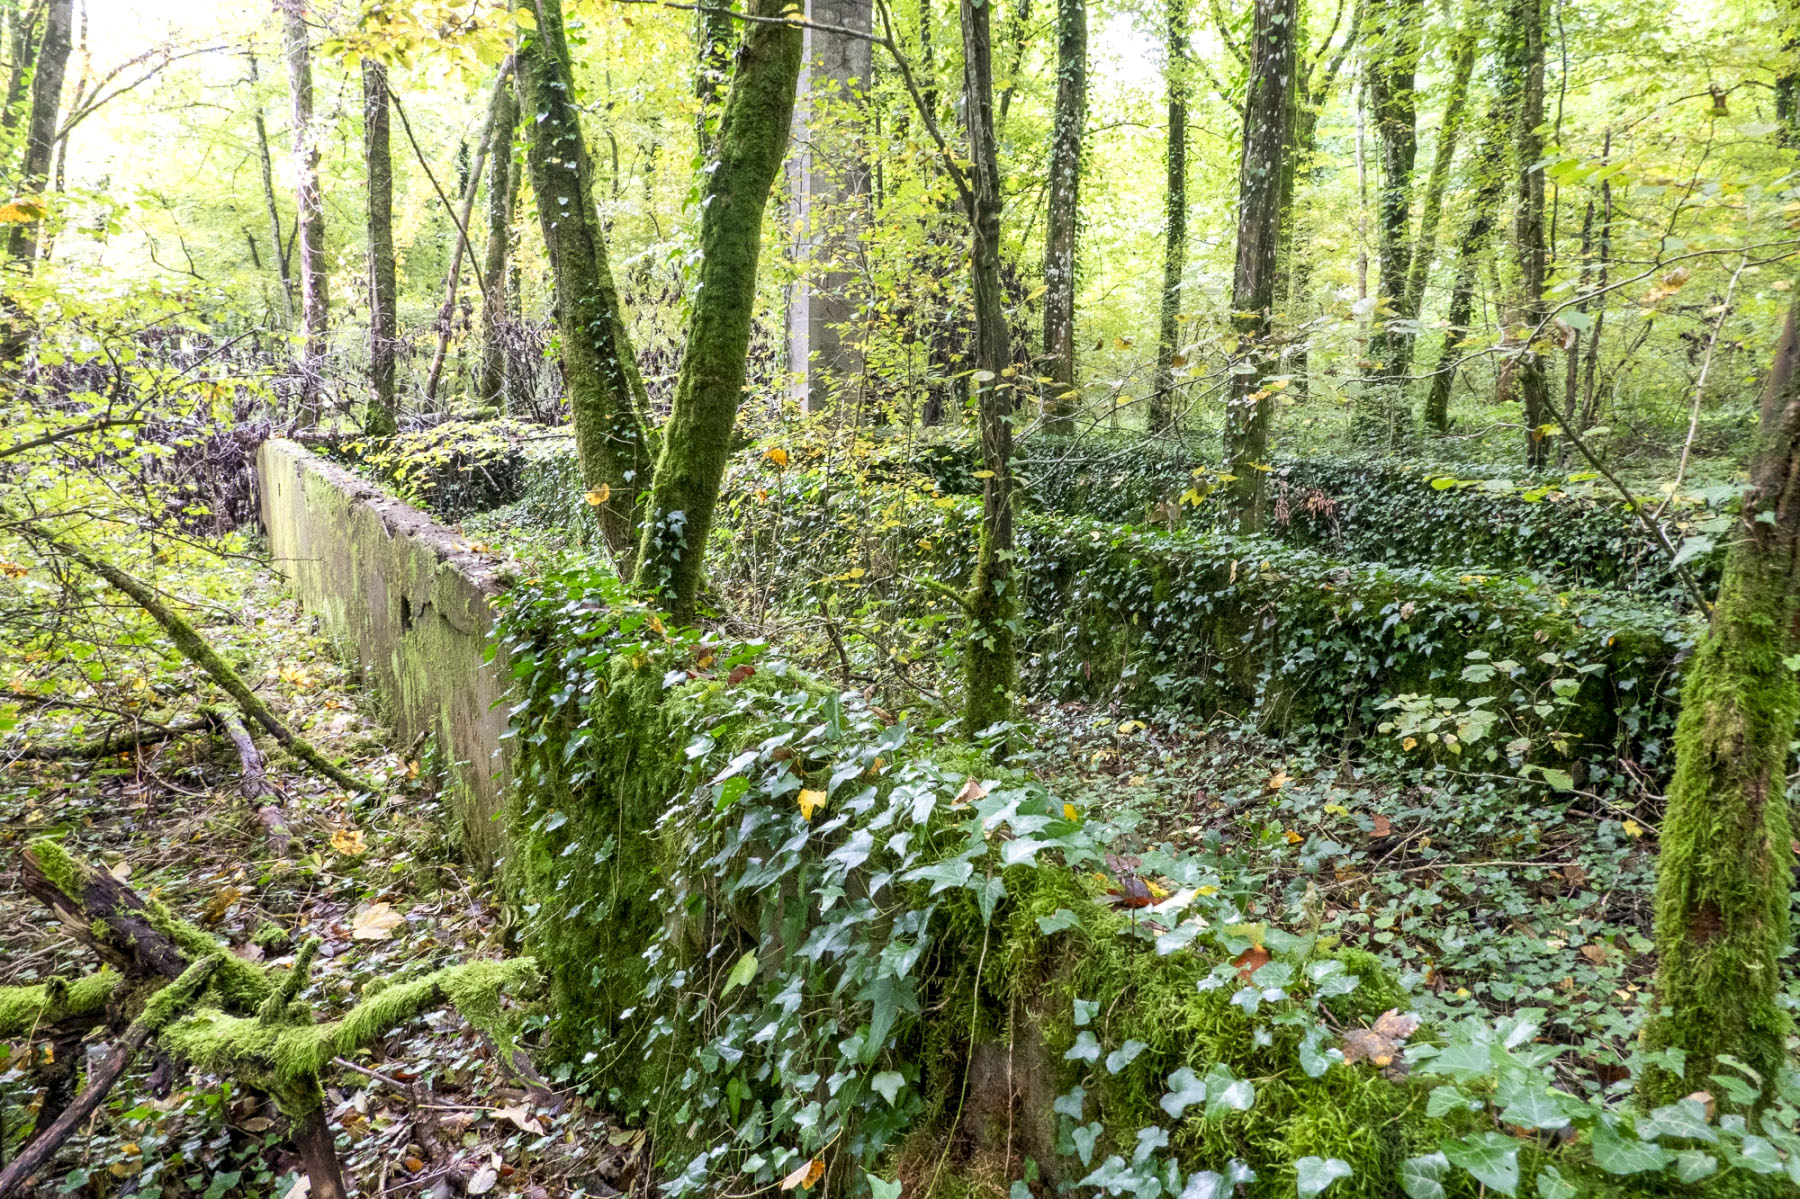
<point x="378" y="879"/>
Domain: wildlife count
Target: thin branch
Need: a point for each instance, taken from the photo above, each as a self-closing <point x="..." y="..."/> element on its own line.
<point x="93" y="426"/>
<point x="461" y="229"/>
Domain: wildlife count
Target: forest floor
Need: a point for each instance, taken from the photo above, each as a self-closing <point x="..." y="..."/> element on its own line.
<point x="376" y="878"/>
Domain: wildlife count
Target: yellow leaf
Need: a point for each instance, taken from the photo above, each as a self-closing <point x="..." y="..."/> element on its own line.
<point x="1633" y="829"/>
<point x="21" y="212"/>
<point x="1278" y="780"/>
<point x="525" y="17"/>
<point x="1069" y="813"/>
<point x="804" y="1178"/>
<point x="376" y="922"/>
<point x="1131" y="726"/>
<point x="810" y="802"/>
<point x="599" y="495"/>
<point x="778" y="456"/>
<point x="1409" y="742"/>
<point x="1293" y="838"/>
<point x="984" y="474"/>
<point x="349" y="842"/>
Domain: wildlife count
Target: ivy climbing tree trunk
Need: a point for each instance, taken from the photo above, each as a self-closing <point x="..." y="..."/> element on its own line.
<point x="1431" y="208"/>
<point x="382" y="417"/>
<point x="21" y="44"/>
<point x="990" y="666"/>
<point x="1521" y="84"/>
<point x="502" y="201"/>
<point x="309" y="203"/>
<point x="1489" y="183"/>
<point x="51" y="64"/>
<point x="1394" y="29"/>
<point x="1248" y="397"/>
<point x="752" y="139"/>
<point x="1063" y="222"/>
<point x="606" y="394"/>
<point x="1725" y="869"/>
<point x="1168" y="326"/>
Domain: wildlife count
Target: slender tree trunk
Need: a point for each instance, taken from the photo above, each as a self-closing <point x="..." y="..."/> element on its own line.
<point x="606" y="395"/>
<point x="40" y="128"/>
<point x="1390" y="83"/>
<point x="989" y="661"/>
<point x="1168" y="328"/>
<point x="1064" y="218"/>
<point x="502" y="201"/>
<point x="1725" y="867"/>
<point x="1490" y="182"/>
<point x="752" y="140"/>
<point x="1591" y="367"/>
<point x="1456" y="103"/>
<point x="1018" y="31"/>
<point x="465" y="211"/>
<point x="1522" y="73"/>
<point x="309" y="205"/>
<point x="382" y="417"/>
<point x="1267" y="108"/>
<point x="21" y="32"/>
<point x="266" y="161"/>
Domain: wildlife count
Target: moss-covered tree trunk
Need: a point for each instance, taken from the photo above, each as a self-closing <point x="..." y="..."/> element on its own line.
<point x="1394" y="29"/>
<point x="48" y="69"/>
<point x="1168" y="325"/>
<point x="606" y="394"/>
<point x="990" y="667"/>
<point x="1063" y="218"/>
<point x="309" y="203"/>
<point x="502" y="202"/>
<point x="382" y="416"/>
<point x="753" y="136"/>
<point x="1248" y="399"/>
<point x="1726" y="865"/>
<point x="1521" y="85"/>
<point x="1469" y="250"/>
<point x="1431" y="207"/>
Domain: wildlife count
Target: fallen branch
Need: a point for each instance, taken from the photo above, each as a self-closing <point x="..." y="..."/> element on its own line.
<point x="23" y="1010"/>
<point x="255" y="782"/>
<point x="195" y="649"/>
<point x="163" y="1007"/>
<point x="116" y="740"/>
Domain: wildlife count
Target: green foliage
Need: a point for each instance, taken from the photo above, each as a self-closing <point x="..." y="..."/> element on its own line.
<point x="24" y="1009"/>
<point x="453" y="469"/>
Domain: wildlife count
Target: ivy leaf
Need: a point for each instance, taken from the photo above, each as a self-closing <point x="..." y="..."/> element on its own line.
<point x="1552" y="1185"/>
<point x="1625" y="1155"/>
<point x="1691" y="1165"/>
<point x="1124" y="1055"/>
<point x="952" y="873"/>
<point x="887" y="1084"/>
<point x="1757" y="1155"/>
<point x="1314" y="1058"/>
<point x="1185" y="1090"/>
<point x="1684" y="1119"/>
<point x="1422" y="1177"/>
<point x="1224" y="1093"/>
<point x="881" y="1188"/>
<point x="741" y="974"/>
<point x="1062" y="919"/>
<point x="805" y="1176"/>
<point x="1072" y="1103"/>
<point x="1534" y="1108"/>
<point x="1313" y="1174"/>
<point x="1084" y="1011"/>
<point x="1085" y="1137"/>
<point x="1204" y="1185"/>
<point x="1492" y="1158"/>
<point x="1177" y="938"/>
<point x="1085" y="1049"/>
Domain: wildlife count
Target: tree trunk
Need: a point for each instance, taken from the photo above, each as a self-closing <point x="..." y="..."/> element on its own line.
<point x="752" y="140"/>
<point x="715" y="34"/>
<point x="1168" y="328"/>
<point x="309" y="205"/>
<point x="40" y="126"/>
<point x="268" y="182"/>
<point x="990" y="667"/>
<point x="461" y="216"/>
<point x="1064" y="217"/>
<point x="382" y="417"/>
<point x="1456" y="103"/>
<point x="1591" y="367"/>
<point x="1390" y="82"/>
<point x="1725" y="866"/>
<point x="1267" y="108"/>
<point x="21" y="49"/>
<point x="1522" y="79"/>
<point x="606" y="394"/>
<point x="502" y="201"/>
<point x="1490" y="181"/>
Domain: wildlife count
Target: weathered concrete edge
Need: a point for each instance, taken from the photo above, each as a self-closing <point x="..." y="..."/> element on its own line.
<point x="413" y="603"/>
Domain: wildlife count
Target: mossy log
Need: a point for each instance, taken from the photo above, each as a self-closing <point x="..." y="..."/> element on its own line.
<point x="24" y="1010"/>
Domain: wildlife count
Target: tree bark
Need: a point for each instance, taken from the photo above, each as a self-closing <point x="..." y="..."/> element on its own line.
<point x="309" y="204"/>
<point x="1522" y="85"/>
<point x="606" y="395"/>
<point x="990" y="667"/>
<point x="1490" y="182"/>
<point x="383" y="416"/>
<point x="1267" y="107"/>
<point x="1390" y="82"/>
<point x="1456" y="103"/>
<point x="1064" y="217"/>
<point x="1725" y="866"/>
<point x="752" y="140"/>
<point x="40" y="127"/>
<point x="1168" y="328"/>
<point x="268" y="182"/>
<point x="502" y="201"/>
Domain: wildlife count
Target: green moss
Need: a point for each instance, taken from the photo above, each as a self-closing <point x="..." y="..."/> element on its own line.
<point x="58" y="867"/>
<point x="23" y="1009"/>
<point x="241" y="985"/>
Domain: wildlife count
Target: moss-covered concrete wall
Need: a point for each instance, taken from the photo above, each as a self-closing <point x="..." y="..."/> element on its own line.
<point x="411" y="601"/>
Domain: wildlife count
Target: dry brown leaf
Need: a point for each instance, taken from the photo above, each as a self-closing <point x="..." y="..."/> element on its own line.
<point x="1383" y="826"/>
<point x="1250" y="961"/>
<point x="349" y="842"/>
<point x="376" y="922"/>
<point x="483" y="1180"/>
<point x="804" y="1177"/>
<point x="521" y="1118"/>
<point x="1596" y="953"/>
<point x="1380" y="1044"/>
<point x="972" y="790"/>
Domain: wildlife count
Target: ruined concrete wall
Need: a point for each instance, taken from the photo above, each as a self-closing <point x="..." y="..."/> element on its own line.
<point x="414" y="605"/>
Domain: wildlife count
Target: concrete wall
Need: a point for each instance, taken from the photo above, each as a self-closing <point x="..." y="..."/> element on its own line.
<point x="391" y="585"/>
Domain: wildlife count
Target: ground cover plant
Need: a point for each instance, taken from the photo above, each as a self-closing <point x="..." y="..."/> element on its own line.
<point x="1154" y="599"/>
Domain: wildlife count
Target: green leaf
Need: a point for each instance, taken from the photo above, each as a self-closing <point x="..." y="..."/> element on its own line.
<point x="1552" y="1185"/>
<point x="887" y="1084"/>
<point x="1625" y="1154"/>
<point x="1185" y="1090"/>
<point x="1691" y="1165"/>
<point x="1313" y="1174"/>
<point x="881" y="1188"/>
<point x="1684" y="1119"/>
<point x="1124" y="1055"/>
<point x="1225" y="1093"/>
<point x="1056" y="923"/>
<point x="741" y="974"/>
<point x="1534" y="1108"/>
<point x="1085" y="1049"/>
<point x="1422" y="1177"/>
<point x="1084" y="1011"/>
<point x="1493" y="1159"/>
